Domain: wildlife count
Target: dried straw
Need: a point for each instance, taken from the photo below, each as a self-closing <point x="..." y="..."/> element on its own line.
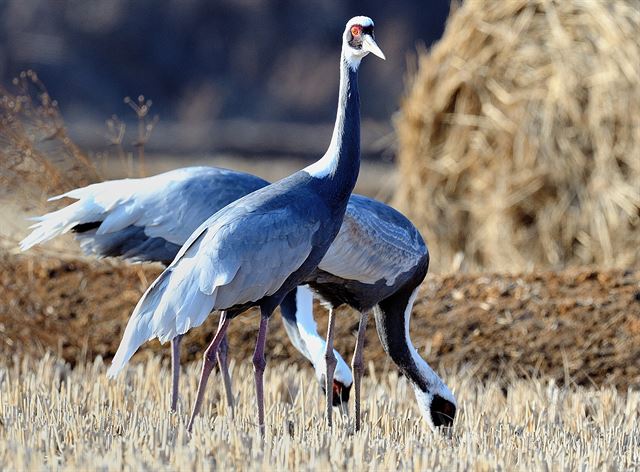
<point x="57" y="418"/>
<point x="519" y="137"/>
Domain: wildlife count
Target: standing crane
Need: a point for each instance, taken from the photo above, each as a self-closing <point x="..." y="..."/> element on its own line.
<point x="257" y="249"/>
<point x="376" y="262"/>
<point x="161" y="212"/>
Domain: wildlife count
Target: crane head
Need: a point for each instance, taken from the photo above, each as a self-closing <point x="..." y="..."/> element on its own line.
<point x="359" y="40"/>
<point x="341" y="392"/>
<point x="438" y="405"/>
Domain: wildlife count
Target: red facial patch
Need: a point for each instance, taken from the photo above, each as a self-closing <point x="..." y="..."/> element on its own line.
<point x="449" y="410"/>
<point x="337" y="388"/>
<point x="356" y="30"/>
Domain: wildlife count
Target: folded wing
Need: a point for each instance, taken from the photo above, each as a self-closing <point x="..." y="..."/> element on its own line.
<point x="375" y="242"/>
<point x="216" y="269"/>
<point x="143" y="219"/>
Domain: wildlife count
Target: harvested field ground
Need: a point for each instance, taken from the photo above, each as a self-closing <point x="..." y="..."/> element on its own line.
<point x="58" y="418"/>
<point x="580" y="326"/>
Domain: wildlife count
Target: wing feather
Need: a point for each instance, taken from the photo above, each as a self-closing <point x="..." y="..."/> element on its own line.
<point x="216" y="269"/>
<point x="375" y="242"/>
<point x="168" y="206"/>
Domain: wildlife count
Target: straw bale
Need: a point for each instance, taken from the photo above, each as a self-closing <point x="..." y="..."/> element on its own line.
<point x="519" y="136"/>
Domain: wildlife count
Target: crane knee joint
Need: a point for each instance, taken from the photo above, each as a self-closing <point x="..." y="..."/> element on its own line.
<point x="259" y="363"/>
<point x="330" y="359"/>
<point x="358" y="367"/>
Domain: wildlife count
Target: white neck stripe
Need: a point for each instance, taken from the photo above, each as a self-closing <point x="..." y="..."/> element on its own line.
<point x="328" y="164"/>
<point x="313" y="343"/>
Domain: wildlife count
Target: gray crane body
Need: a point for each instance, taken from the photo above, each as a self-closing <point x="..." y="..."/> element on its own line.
<point x="255" y="250"/>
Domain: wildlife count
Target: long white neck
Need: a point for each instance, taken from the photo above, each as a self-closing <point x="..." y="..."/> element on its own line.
<point x="423" y="370"/>
<point x="393" y="317"/>
<point x="307" y="326"/>
<point x="311" y="344"/>
<point x="344" y="149"/>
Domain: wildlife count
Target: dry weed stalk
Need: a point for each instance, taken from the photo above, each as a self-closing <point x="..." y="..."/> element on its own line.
<point x="520" y="136"/>
<point x="141" y="108"/>
<point x="37" y="157"/>
<point x="116" y="130"/>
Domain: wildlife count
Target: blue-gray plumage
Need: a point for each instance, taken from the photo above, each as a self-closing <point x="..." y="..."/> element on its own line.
<point x="376" y="261"/>
<point x="260" y="247"/>
<point x="161" y="212"/>
<point x="188" y="198"/>
<point x="147" y="219"/>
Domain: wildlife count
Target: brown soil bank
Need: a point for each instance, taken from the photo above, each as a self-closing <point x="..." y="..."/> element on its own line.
<point x="579" y="325"/>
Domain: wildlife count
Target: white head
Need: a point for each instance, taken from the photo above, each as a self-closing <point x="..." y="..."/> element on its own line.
<point x="437" y="404"/>
<point x="358" y="41"/>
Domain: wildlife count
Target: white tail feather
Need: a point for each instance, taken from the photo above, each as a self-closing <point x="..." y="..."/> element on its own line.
<point x="172" y="305"/>
<point x="59" y="222"/>
<point x="139" y="328"/>
<point x="95" y="202"/>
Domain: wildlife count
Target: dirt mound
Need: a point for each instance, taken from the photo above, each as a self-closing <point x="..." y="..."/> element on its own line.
<point x="579" y="326"/>
<point x="520" y="134"/>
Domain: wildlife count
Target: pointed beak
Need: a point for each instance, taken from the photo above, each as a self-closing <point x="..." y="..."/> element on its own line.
<point x="369" y="45"/>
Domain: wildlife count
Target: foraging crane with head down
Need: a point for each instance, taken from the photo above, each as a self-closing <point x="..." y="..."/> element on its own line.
<point x="377" y="262"/>
<point x="257" y="249"/>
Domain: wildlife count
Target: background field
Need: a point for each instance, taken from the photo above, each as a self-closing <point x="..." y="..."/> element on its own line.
<point x="578" y="327"/>
<point x="518" y="156"/>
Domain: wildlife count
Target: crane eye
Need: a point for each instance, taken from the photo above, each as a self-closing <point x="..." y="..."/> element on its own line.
<point x="355" y="30"/>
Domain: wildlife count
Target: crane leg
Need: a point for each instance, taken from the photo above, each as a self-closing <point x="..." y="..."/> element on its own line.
<point x="259" y="364"/>
<point x="175" y="371"/>
<point x="223" y="363"/>
<point x="207" y="366"/>
<point x="331" y="363"/>
<point x="357" y="363"/>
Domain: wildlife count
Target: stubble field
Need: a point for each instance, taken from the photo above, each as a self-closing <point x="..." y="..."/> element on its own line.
<point x="544" y="367"/>
<point x="57" y="418"/>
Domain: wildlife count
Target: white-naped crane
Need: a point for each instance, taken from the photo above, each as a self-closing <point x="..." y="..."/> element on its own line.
<point x="148" y="220"/>
<point x="257" y="249"/>
<point x="380" y="263"/>
<point x="377" y="260"/>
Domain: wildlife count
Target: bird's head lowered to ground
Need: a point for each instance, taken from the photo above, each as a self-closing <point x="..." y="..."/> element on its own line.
<point x="341" y="392"/>
<point x="358" y="40"/>
<point x="342" y="380"/>
<point x="437" y="404"/>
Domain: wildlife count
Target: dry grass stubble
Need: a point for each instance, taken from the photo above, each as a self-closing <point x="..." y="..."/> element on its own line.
<point x="57" y="418"/>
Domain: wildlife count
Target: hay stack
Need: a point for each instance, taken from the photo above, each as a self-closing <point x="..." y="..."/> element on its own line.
<point x="519" y="138"/>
